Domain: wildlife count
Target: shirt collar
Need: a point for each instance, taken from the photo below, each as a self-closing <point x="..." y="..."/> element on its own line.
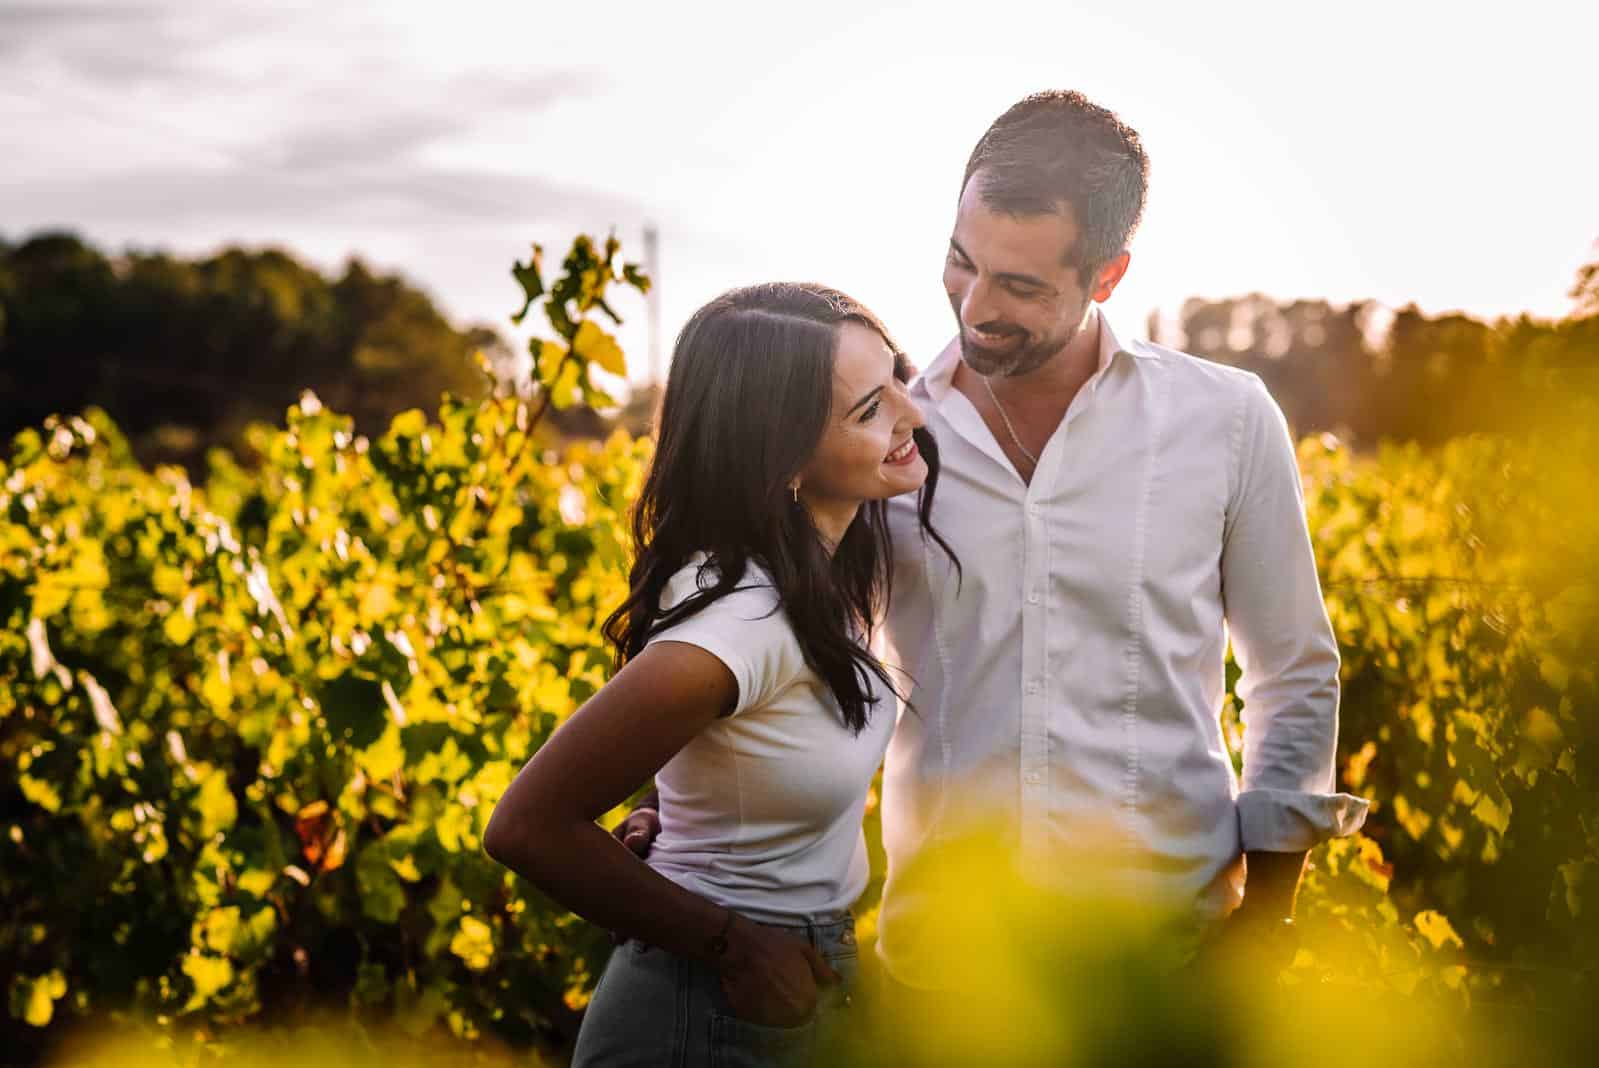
<point x="939" y="377"/>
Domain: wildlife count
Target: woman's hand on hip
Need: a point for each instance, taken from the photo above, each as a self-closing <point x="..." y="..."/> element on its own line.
<point x="771" y="977"/>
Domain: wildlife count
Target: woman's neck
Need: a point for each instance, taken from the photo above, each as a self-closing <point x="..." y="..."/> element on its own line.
<point x="831" y="519"/>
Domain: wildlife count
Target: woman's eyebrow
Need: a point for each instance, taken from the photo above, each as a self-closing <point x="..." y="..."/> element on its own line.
<point x="869" y="395"/>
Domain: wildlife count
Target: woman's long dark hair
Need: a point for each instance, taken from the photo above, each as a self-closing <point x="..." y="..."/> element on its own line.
<point x="747" y="400"/>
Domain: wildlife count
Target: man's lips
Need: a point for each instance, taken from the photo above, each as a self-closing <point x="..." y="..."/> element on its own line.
<point x="995" y="343"/>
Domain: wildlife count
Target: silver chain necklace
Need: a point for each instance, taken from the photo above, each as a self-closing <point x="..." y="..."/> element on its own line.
<point x="1015" y="440"/>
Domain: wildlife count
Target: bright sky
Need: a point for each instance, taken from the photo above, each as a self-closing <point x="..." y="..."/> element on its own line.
<point x="1402" y="151"/>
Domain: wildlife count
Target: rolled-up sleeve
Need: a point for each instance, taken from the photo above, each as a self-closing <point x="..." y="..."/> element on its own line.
<point x="1284" y="645"/>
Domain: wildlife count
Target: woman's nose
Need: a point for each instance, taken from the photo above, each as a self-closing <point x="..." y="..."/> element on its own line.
<point x="912" y="415"/>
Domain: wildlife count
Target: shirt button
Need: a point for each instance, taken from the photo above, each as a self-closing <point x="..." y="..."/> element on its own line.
<point x="1034" y="597"/>
<point x="1033" y="687"/>
<point x="1033" y="778"/>
<point x="1035" y="509"/>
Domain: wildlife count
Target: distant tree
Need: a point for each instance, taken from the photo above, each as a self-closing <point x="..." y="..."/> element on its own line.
<point x="184" y="353"/>
<point x="1312" y="355"/>
<point x="1421" y="378"/>
<point x="1586" y="289"/>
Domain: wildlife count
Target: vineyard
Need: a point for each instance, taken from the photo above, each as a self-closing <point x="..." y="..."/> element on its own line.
<point x="251" y="730"/>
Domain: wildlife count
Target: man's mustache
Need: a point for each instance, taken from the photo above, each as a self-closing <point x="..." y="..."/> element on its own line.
<point x="1000" y="331"/>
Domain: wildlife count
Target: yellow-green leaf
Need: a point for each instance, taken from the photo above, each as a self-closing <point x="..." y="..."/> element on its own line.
<point x="33" y="999"/>
<point x="216" y="805"/>
<point x="385" y="756"/>
<point x="209" y="974"/>
<point x="219" y="929"/>
<point x="1435" y="928"/>
<point x="40" y="793"/>
<point x="179" y="627"/>
<point x="1494" y="815"/>
<point x="474" y="943"/>
<point x="598" y="347"/>
<point x="257" y="882"/>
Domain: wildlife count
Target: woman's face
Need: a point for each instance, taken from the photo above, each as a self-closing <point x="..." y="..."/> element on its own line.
<point x="866" y="452"/>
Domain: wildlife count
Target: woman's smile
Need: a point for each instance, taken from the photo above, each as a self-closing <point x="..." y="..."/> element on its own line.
<point x="902" y="455"/>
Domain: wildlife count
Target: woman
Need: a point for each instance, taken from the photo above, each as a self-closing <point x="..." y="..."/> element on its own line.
<point x="745" y="689"/>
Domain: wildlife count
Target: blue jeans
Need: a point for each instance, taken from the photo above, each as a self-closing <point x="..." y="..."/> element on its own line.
<point x="655" y="1008"/>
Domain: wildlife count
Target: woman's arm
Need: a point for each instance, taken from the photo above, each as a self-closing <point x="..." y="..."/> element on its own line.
<point x="543" y="829"/>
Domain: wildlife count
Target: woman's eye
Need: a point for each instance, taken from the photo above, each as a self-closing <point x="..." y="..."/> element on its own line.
<point x="871" y="411"/>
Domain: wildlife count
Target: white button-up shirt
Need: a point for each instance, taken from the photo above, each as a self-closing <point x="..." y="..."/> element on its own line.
<point x="1067" y="688"/>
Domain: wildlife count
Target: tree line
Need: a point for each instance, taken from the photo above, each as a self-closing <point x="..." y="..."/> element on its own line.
<point x="184" y="353"/>
<point x="1371" y="375"/>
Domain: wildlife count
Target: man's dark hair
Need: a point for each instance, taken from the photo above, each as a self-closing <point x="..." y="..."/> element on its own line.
<point x="1059" y="148"/>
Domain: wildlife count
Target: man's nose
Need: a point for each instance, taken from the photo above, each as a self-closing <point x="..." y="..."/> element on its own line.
<point x="977" y="306"/>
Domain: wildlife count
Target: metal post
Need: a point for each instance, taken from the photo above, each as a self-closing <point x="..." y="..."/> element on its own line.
<point x="652" y="267"/>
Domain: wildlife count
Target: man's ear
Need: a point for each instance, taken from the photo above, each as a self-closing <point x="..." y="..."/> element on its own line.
<point x="1109" y="276"/>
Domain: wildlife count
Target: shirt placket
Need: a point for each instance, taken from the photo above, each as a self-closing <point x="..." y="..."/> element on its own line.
<point x="1034" y="766"/>
<point x="1036" y="799"/>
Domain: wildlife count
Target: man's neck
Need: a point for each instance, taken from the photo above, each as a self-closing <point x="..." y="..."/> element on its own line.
<point x="1023" y="412"/>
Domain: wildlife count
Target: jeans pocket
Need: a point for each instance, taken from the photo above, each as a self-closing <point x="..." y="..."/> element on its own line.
<point x="847" y="963"/>
<point x="738" y="1043"/>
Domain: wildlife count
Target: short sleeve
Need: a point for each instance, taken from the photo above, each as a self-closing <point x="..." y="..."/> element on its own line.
<point x="746" y="630"/>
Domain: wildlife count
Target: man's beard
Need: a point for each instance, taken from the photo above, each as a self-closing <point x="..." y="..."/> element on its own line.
<point x="1012" y="362"/>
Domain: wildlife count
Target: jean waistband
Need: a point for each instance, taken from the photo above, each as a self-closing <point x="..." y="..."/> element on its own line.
<point x="816" y="928"/>
<point x="823" y="930"/>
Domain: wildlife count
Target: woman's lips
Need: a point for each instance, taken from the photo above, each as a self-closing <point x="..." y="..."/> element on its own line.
<point x="902" y="455"/>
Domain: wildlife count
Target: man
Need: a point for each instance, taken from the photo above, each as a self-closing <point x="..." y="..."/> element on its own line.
<point x="1118" y="509"/>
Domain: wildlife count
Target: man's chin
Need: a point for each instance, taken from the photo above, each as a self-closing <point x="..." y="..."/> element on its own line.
<point x="989" y="361"/>
<point x="1008" y="361"/>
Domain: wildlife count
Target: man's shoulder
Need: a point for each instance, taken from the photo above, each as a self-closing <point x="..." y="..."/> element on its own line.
<point x="1197" y="377"/>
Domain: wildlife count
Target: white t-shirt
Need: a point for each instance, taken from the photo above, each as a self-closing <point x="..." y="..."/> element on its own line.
<point x="761" y="812"/>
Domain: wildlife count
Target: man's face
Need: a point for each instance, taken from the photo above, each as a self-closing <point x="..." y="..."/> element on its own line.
<point x="1016" y="299"/>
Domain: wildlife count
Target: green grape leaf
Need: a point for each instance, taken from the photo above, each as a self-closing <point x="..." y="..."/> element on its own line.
<point x="530" y="278"/>
<point x="382" y="893"/>
<point x="355" y="709"/>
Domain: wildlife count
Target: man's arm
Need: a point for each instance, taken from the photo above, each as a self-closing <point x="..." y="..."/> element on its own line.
<point x="1285" y="646"/>
<point x="639" y="829"/>
<point x="1273" y="884"/>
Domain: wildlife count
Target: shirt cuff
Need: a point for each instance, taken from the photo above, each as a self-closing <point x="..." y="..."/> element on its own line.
<point x="1288" y="821"/>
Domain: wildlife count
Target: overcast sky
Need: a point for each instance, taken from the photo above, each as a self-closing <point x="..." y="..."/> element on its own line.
<point x="1364" y="150"/>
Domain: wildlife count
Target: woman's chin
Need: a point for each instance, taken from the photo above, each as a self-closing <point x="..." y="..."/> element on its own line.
<point x="904" y="479"/>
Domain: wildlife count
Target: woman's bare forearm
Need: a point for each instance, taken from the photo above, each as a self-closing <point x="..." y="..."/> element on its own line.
<point x="586" y="870"/>
<point x="544" y="826"/>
